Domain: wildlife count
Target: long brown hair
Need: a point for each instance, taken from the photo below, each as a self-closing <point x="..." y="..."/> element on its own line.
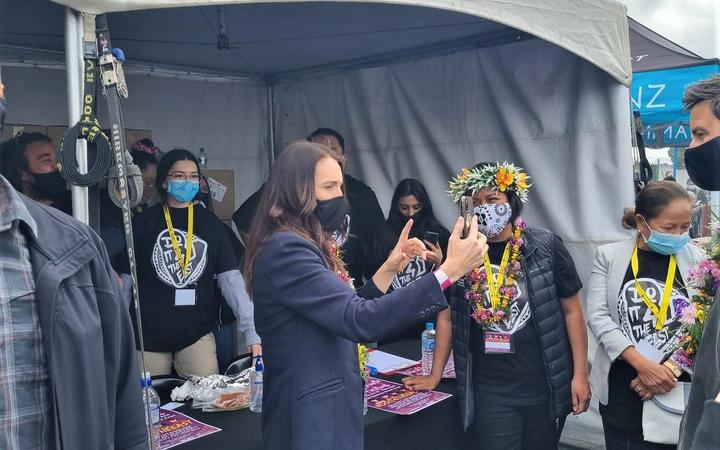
<point x="288" y="203"/>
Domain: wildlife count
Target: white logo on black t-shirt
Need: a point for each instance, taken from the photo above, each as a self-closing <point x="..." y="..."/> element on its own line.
<point x="638" y="322"/>
<point x="166" y="264"/>
<point x="417" y="268"/>
<point x="519" y="307"/>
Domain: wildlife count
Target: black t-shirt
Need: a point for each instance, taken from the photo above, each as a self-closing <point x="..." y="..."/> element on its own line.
<point x="519" y="378"/>
<point x="167" y="327"/>
<point x="637" y="322"/>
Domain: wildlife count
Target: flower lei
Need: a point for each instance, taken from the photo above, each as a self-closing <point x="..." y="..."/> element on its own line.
<point x="502" y="176"/>
<point x="477" y="293"/>
<point x="705" y="279"/>
<point x="361" y="349"/>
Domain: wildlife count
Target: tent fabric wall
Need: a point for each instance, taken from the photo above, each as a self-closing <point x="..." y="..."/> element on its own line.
<point x="561" y="118"/>
<point x="227" y="119"/>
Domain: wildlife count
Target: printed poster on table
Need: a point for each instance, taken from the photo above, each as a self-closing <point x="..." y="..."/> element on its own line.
<point x="177" y="428"/>
<point x="416" y="370"/>
<point x="394" y="398"/>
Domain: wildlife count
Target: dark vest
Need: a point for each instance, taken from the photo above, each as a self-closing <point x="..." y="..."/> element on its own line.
<point x="549" y="320"/>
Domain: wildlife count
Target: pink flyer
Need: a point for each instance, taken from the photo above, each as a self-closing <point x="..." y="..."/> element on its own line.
<point x="394" y="398"/>
<point x="177" y="428"/>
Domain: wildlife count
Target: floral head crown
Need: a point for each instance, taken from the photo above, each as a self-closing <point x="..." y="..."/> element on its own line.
<point x="501" y="176"/>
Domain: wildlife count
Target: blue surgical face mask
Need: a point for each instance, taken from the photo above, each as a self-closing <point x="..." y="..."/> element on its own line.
<point x="183" y="191"/>
<point x="666" y="243"/>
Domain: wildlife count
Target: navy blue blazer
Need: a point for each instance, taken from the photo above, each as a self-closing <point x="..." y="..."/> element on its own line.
<point x="310" y="321"/>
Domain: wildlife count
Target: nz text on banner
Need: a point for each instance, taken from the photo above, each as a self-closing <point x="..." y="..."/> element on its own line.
<point x="394" y="398"/>
<point x="177" y="428"/>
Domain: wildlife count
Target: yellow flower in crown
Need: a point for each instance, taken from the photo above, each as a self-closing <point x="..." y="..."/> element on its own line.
<point x="499" y="176"/>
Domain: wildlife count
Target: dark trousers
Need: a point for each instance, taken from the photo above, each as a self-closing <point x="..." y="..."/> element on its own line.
<point x="616" y="439"/>
<point x="500" y="427"/>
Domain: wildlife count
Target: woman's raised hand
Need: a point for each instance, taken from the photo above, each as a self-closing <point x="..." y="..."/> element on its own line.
<point x="464" y="254"/>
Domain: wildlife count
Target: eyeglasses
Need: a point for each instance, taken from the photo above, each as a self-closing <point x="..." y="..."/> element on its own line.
<point x="179" y="176"/>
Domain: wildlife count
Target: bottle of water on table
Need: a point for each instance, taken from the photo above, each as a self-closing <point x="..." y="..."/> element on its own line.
<point x="427" y="340"/>
<point x="149" y="394"/>
<point x="256" y="386"/>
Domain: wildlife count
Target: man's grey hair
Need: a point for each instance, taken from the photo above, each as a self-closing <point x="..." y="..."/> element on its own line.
<point x="704" y="90"/>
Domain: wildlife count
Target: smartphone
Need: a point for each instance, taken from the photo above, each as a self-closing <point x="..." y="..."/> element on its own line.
<point x="431" y="237"/>
<point x="467" y="210"/>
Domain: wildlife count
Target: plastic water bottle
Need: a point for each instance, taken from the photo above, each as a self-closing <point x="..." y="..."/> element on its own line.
<point x="202" y="160"/>
<point x="427" y="340"/>
<point x="256" y="386"/>
<point x="150" y="393"/>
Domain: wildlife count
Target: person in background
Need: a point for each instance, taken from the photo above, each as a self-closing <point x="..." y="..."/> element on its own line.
<point x="148" y="169"/>
<point x="365" y="212"/>
<point x="633" y="337"/>
<point x="515" y="324"/>
<point x="29" y="162"/>
<point x="702" y="160"/>
<point x="181" y="250"/>
<point x="310" y="316"/>
<point x="147" y="146"/>
<point x="410" y="201"/>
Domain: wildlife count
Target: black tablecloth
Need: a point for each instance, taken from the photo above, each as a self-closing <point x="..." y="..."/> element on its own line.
<point x="436" y="427"/>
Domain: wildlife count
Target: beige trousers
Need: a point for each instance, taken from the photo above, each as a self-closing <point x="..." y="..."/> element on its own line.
<point x="199" y="358"/>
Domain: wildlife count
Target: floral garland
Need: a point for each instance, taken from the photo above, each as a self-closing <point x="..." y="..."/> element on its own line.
<point x="705" y="279"/>
<point x="477" y="284"/>
<point x="361" y="349"/>
<point x="502" y="176"/>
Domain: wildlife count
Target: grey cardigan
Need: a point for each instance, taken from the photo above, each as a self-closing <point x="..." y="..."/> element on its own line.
<point x="608" y="272"/>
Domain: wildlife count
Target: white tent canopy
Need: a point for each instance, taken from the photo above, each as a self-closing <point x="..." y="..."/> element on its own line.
<point x="419" y="89"/>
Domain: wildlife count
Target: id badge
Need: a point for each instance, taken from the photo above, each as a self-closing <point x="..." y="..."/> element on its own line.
<point x="498" y="343"/>
<point x="184" y="297"/>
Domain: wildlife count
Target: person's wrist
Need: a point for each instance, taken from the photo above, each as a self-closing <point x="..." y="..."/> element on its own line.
<point x="452" y="272"/>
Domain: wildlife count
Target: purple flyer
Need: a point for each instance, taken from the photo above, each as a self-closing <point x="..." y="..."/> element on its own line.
<point x="416" y="370"/>
<point x="394" y="398"/>
<point x="177" y="428"/>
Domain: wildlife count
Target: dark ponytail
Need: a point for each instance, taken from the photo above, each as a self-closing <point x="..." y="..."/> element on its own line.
<point x="652" y="200"/>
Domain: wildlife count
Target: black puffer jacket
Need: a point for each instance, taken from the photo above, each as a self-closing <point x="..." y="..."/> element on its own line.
<point x="549" y="321"/>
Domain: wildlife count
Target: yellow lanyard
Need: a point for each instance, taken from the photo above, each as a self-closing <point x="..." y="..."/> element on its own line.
<point x="493" y="283"/>
<point x="188" y="241"/>
<point x="660" y="313"/>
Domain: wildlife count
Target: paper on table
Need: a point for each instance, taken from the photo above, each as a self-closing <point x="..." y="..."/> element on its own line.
<point x="387" y="363"/>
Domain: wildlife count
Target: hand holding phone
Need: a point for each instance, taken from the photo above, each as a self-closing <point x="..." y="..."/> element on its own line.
<point x="432" y="237"/>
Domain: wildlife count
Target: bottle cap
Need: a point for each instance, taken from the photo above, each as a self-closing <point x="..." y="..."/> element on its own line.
<point x="429" y="326"/>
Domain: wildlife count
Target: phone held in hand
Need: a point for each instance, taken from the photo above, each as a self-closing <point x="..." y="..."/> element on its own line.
<point x="467" y="209"/>
<point x="431" y="237"/>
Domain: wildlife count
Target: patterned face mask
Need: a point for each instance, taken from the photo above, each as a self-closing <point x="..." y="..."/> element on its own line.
<point x="493" y="218"/>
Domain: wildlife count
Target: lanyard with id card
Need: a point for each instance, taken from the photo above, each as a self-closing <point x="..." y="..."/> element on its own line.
<point x="186" y="296"/>
<point x="498" y="342"/>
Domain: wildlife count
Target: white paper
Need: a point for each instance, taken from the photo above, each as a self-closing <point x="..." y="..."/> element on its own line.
<point x="185" y="297"/>
<point x="648" y="351"/>
<point x="217" y="189"/>
<point x="172" y="405"/>
<point x="386" y="363"/>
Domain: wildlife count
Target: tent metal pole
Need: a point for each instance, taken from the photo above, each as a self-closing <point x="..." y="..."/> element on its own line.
<point x="271" y="124"/>
<point x="675" y="162"/>
<point x="74" y="69"/>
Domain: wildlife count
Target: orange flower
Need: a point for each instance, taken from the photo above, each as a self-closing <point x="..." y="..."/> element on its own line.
<point x="504" y="179"/>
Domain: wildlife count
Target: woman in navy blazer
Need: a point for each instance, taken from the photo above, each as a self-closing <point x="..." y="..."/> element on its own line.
<point x="308" y="316"/>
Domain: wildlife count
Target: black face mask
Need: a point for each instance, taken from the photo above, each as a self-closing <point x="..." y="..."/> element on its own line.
<point x="332" y="213"/>
<point x="51" y="184"/>
<point x="703" y="164"/>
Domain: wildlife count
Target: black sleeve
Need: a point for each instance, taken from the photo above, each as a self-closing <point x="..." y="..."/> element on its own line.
<point x="707" y="434"/>
<point x="567" y="279"/>
<point x="244" y="215"/>
<point x="378" y="250"/>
